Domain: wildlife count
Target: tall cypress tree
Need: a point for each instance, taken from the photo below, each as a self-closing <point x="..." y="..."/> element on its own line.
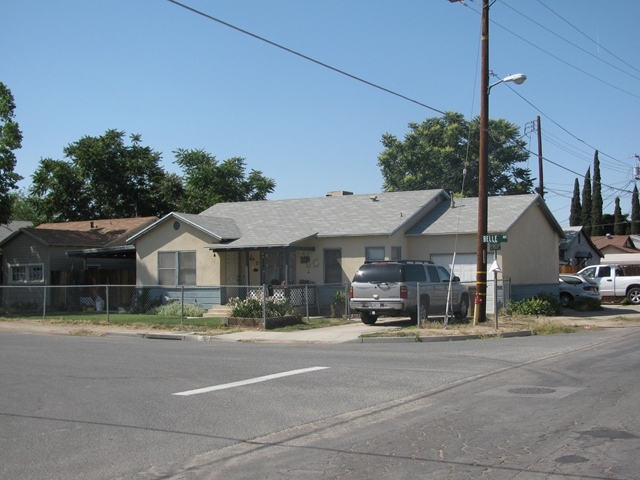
<point x="619" y="224"/>
<point x="635" y="212"/>
<point x="586" y="202"/>
<point x="597" y="229"/>
<point x="575" y="218"/>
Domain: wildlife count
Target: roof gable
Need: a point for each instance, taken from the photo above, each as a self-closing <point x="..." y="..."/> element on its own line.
<point x="219" y="228"/>
<point x="503" y="212"/>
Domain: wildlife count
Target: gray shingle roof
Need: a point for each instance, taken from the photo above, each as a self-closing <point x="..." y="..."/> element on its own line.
<point x="284" y="222"/>
<point x="503" y="212"/>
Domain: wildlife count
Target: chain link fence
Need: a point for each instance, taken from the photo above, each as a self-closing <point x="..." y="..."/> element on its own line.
<point x="53" y="301"/>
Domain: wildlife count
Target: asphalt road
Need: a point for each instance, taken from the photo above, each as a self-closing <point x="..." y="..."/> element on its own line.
<point x="561" y="406"/>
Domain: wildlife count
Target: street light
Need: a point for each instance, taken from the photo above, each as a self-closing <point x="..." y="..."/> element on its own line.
<point x="480" y="312"/>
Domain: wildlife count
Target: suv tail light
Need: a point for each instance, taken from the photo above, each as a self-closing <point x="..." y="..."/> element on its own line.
<point x="350" y="291"/>
<point x="404" y="293"/>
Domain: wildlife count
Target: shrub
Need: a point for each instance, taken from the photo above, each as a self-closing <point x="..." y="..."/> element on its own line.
<point x="175" y="309"/>
<point x="542" y="304"/>
<point x="337" y="307"/>
<point x="585" y="304"/>
<point x="252" y="308"/>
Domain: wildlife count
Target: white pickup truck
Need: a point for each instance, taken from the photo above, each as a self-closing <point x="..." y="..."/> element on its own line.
<point x="613" y="282"/>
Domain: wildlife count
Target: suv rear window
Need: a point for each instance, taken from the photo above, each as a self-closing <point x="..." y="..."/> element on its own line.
<point x="379" y="273"/>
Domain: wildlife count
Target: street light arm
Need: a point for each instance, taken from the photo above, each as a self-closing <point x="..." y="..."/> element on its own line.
<point x="517" y="78"/>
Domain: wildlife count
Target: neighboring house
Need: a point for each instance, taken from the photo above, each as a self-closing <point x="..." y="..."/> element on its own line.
<point x="40" y="256"/>
<point x="324" y="240"/>
<point x="578" y="250"/>
<point x="618" y="249"/>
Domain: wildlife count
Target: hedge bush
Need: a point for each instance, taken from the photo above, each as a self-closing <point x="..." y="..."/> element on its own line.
<point x="544" y="303"/>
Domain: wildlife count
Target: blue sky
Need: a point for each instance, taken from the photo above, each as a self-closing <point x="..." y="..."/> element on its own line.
<point x="80" y="67"/>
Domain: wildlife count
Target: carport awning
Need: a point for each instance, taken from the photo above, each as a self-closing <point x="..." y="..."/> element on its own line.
<point x="125" y="251"/>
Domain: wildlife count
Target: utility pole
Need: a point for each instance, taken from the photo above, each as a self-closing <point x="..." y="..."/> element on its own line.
<point x="480" y="311"/>
<point x="540" y="177"/>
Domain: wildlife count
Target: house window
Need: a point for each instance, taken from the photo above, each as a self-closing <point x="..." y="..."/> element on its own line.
<point x="27" y="273"/>
<point x="177" y="268"/>
<point x="373" y="254"/>
<point x="332" y="267"/>
<point x="396" y="253"/>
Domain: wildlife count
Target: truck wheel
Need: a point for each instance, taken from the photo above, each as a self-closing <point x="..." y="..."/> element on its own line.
<point x="463" y="311"/>
<point x="367" y="318"/>
<point x="424" y="311"/>
<point x="565" y="299"/>
<point x="633" y="295"/>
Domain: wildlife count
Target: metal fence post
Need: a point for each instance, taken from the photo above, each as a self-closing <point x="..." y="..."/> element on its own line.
<point x="182" y="306"/>
<point x="306" y="299"/>
<point x="347" y="314"/>
<point x="44" y="300"/>
<point x="418" y="304"/>
<point x="264" y="306"/>
<point x="107" y="300"/>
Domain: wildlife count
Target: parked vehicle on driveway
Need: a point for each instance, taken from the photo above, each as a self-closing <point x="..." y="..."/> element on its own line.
<point x="613" y="282"/>
<point x="573" y="287"/>
<point x="390" y="288"/>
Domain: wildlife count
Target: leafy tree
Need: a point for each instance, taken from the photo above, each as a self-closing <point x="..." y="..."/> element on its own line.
<point x="435" y="153"/>
<point x="620" y="220"/>
<point x="576" y="208"/>
<point x="104" y="178"/>
<point x="635" y="212"/>
<point x="207" y="181"/>
<point x="22" y="208"/>
<point x="10" y="140"/>
<point x="596" y="199"/>
<point x="586" y="202"/>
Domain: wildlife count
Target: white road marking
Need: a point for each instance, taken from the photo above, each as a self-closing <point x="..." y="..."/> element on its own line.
<point x="249" y="381"/>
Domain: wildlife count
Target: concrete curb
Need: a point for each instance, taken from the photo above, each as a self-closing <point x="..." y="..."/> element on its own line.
<point x="443" y="338"/>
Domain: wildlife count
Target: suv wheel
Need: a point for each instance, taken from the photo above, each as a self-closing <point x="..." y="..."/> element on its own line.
<point x="424" y="310"/>
<point x="463" y="311"/>
<point x="367" y="318"/>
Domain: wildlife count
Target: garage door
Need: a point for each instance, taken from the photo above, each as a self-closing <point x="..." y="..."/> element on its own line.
<point x="465" y="266"/>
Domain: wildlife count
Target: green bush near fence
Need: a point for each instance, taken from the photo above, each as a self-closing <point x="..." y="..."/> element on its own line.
<point x="176" y="308"/>
<point x="252" y="308"/>
<point x="542" y="304"/>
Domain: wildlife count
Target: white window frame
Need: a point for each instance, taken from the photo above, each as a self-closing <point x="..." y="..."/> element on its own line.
<point x="178" y="271"/>
<point x="372" y="254"/>
<point x="26" y="273"/>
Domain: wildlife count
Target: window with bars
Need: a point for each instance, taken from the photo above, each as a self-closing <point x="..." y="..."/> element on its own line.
<point x="177" y="268"/>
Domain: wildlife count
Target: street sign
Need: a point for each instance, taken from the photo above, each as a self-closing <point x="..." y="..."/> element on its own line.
<point x="494" y="238"/>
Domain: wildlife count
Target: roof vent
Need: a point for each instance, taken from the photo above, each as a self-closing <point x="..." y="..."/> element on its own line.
<point x="338" y="193"/>
<point x="608" y="235"/>
<point x="373" y="198"/>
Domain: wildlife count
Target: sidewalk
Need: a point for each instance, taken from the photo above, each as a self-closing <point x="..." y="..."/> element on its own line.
<point x="612" y="316"/>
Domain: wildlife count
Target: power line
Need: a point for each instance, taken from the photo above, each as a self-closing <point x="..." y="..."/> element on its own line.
<point x="317" y="62"/>
<point x="537" y="47"/>
<point x="571" y="43"/>
<point x="587" y="36"/>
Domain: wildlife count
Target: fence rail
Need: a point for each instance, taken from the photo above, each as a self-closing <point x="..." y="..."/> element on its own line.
<point x="54" y="300"/>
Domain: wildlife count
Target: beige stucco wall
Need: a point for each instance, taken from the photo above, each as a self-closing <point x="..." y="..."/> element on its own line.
<point x="165" y="238"/>
<point x="531" y="254"/>
<point x="423" y="246"/>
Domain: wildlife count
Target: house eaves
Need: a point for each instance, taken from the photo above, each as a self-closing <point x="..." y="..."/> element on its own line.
<point x="239" y="245"/>
<point x="123" y="251"/>
<point x="219" y="228"/>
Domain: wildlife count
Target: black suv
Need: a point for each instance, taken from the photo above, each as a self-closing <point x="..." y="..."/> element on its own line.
<point x="390" y="288"/>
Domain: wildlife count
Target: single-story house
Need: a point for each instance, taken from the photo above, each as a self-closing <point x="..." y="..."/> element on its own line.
<point x="618" y="249"/>
<point x="41" y="256"/>
<point x="578" y="250"/>
<point x="324" y="240"/>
